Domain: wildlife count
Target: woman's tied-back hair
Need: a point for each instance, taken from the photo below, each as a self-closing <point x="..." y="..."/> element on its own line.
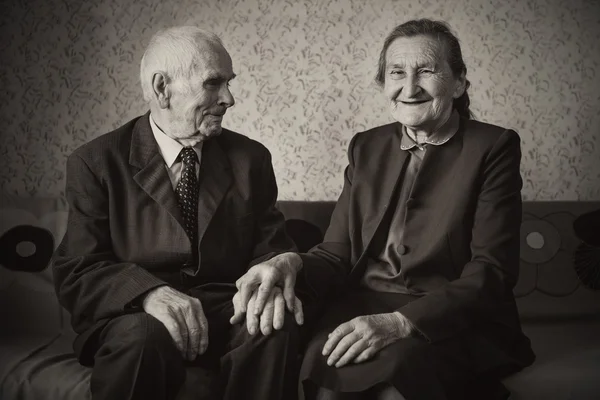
<point x="173" y="51"/>
<point x="438" y="30"/>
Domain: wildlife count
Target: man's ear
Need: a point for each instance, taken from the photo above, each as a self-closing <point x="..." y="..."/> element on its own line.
<point x="160" y="86"/>
<point x="461" y="85"/>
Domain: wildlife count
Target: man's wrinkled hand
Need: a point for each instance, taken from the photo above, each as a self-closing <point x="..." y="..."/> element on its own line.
<point x="183" y="317"/>
<point x="361" y="338"/>
<point x="273" y="314"/>
<point x="279" y="271"/>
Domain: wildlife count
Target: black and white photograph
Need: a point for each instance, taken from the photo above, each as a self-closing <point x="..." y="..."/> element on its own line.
<point x="300" y="200"/>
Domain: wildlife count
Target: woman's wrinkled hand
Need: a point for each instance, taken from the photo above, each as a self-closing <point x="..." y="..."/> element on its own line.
<point x="361" y="338"/>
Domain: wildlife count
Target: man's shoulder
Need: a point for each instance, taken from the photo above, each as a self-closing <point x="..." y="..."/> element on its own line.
<point x="232" y="141"/>
<point x="116" y="141"/>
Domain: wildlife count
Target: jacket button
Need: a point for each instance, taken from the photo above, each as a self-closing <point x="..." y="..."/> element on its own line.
<point x="402" y="249"/>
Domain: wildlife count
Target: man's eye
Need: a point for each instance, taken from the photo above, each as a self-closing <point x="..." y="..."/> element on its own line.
<point x="396" y="72"/>
<point x="426" y="71"/>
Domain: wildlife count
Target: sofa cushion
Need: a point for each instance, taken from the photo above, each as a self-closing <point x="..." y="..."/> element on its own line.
<point x="572" y="377"/>
<point x="28" y="303"/>
<point x="17" y="349"/>
<point x="564" y="334"/>
<point x="48" y="369"/>
<point x="548" y="245"/>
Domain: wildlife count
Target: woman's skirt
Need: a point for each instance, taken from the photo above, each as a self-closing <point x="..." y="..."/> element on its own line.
<point x="465" y="367"/>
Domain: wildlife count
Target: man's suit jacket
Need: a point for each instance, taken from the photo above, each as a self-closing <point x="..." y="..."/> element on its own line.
<point x="125" y="231"/>
<point x="460" y="248"/>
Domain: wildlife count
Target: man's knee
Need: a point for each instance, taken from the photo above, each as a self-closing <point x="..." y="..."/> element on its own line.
<point x="140" y="348"/>
<point x="140" y="333"/>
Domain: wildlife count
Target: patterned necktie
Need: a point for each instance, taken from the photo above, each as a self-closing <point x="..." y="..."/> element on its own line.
<point x="187" y="193"/>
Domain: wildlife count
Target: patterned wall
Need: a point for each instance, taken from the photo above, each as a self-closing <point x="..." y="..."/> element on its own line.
<point x="305" y="81"/>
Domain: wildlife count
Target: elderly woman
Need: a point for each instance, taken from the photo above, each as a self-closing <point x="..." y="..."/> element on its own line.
<point x="427" y="229"/>
<point x="424" y="240"/>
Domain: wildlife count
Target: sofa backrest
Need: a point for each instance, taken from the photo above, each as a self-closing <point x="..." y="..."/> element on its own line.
<point x="548" y="282"/>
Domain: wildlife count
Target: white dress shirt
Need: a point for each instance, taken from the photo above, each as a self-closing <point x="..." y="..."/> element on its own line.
<point x="169" y="150"/>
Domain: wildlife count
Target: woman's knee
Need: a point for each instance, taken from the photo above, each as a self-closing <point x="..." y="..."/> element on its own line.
<point x="386" y="391"/>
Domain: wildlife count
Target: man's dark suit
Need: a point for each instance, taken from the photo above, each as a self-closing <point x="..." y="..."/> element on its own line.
<point x="460" y="249"/>
<point x="125" y="233"/>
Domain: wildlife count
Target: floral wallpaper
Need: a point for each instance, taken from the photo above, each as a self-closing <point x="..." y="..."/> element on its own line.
<point x="69" y="73"/>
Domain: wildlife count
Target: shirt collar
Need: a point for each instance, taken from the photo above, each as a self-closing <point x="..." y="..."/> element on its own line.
<point x="445" y="133"/>
<point x="170" y="148"/>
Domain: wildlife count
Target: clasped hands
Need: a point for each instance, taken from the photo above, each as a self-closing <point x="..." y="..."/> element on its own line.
<point x="264" y="293"/>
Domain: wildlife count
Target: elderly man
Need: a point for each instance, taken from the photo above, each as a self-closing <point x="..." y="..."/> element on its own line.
<point x="166" y="212"/>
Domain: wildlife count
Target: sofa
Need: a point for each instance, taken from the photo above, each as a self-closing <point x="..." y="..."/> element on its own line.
<point x="558" y="302"/>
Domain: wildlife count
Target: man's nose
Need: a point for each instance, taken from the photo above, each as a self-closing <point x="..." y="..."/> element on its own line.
<point x="225" y="97"/>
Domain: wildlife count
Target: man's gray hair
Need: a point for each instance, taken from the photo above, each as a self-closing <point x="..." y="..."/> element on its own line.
<point x="174" y="52"/>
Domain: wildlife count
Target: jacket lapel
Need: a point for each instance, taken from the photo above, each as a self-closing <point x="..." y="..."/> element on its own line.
<point x="215" y="178"/>
<point x="438" y="172"/>
<point x="152" y="176"/>
<point x="384" y="174"/>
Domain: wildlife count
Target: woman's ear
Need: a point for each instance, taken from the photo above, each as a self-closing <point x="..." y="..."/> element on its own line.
<point x="160" y="86"/>
<point x="461" y="85"/>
